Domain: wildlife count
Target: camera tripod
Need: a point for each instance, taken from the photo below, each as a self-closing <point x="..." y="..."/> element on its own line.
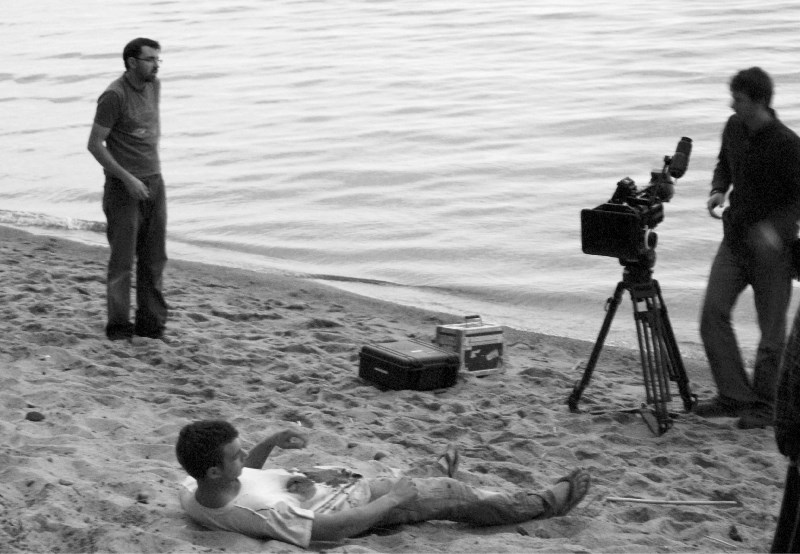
<point x="661" y="359"/>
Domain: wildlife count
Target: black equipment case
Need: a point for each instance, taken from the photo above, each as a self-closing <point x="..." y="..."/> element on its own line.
<point x="408" y="364"/>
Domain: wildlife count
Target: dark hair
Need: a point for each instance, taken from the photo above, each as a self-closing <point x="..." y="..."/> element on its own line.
<point x="755" y="83"/>
<point x="134" y="48"/>
<point x="200" y="445"/>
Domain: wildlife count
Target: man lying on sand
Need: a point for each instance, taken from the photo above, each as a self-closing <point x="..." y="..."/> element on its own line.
<point x="231" y="492"/>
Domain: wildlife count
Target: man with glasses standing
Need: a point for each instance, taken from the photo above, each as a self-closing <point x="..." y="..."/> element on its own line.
<point x="124" y="140"/>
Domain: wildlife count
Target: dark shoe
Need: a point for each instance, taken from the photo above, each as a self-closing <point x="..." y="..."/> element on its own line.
<point x="147" y="325"/>
<point x="149" y="332"/>
<point x="719" y="407"/>
<point x="119" y="332"/>
<point x="757" y="418"/>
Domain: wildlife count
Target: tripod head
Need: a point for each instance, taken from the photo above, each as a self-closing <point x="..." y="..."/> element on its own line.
<point x="639" y="270"/>
<point x="636" y="274"/>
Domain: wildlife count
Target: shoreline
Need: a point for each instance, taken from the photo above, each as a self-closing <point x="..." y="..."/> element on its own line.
<point x="97" y="472"/>
<point x="554" y="319"/>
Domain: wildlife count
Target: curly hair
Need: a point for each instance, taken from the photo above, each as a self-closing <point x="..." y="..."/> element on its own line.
<point x="755" y="83"/>
<point x="200" y="445"/>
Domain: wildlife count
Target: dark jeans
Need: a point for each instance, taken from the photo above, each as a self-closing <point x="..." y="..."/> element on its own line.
<point x="136" y="228"/>
<point x="771" y="279"/>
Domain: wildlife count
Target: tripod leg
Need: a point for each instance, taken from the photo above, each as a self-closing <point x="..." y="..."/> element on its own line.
<point x="653" y="358"/>
<point x="577" y="391"/>
<point x="677" y="371"/>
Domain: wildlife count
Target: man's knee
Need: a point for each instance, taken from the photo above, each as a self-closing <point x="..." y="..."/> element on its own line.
<point x="711" y="316"/>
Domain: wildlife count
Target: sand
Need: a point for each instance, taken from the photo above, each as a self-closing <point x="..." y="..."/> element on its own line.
<point x="87" y="426"/>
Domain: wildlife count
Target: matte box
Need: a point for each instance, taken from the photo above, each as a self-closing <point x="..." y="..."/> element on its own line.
<point x="479" y="345"/>
<point x="408" y="364"/>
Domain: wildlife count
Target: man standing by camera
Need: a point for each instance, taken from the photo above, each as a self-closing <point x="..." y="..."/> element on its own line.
<point x="124" y="140"/>
<point x="759" y="162"/>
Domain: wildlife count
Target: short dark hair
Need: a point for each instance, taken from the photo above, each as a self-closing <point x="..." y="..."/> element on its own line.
<point x="755" y="83"/>
<point x="134" y="48"/>
<point x="200" y="445"/>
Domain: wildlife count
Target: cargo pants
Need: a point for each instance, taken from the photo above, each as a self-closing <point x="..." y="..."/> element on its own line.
<point x="443" y="498"/>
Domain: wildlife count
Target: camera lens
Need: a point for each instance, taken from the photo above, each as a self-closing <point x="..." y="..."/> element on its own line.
<point x="650" y="239"/>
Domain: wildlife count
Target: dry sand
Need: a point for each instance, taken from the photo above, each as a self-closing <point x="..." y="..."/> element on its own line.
<point x="98" y="474"/>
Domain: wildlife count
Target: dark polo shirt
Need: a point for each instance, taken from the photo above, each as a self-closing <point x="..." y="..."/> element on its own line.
<point x="132" y="114"/>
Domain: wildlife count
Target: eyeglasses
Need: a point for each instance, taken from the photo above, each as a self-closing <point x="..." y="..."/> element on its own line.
<point x="152" y="60"/>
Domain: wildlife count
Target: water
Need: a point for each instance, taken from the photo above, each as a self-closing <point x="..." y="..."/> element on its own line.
<point x="435" y="154"/>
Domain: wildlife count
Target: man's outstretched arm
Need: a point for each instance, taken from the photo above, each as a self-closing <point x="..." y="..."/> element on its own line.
<point x="288" y="439"/>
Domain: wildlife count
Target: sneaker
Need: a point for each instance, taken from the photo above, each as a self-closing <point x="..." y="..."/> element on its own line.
<point x="719" y="407"/>
<point x="757" y="418"/>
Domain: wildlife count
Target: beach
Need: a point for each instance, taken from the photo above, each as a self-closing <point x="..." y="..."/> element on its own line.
<point x="88" y="426"/>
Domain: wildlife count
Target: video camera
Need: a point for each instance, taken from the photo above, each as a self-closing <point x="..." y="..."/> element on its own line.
<point x="623" y="227"/>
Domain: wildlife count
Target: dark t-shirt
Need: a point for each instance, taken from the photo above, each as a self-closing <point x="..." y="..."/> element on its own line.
<point x="133" y="117"/>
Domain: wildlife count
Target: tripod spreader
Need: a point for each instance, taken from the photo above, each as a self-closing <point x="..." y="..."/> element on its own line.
<point x="660" y="357"/>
